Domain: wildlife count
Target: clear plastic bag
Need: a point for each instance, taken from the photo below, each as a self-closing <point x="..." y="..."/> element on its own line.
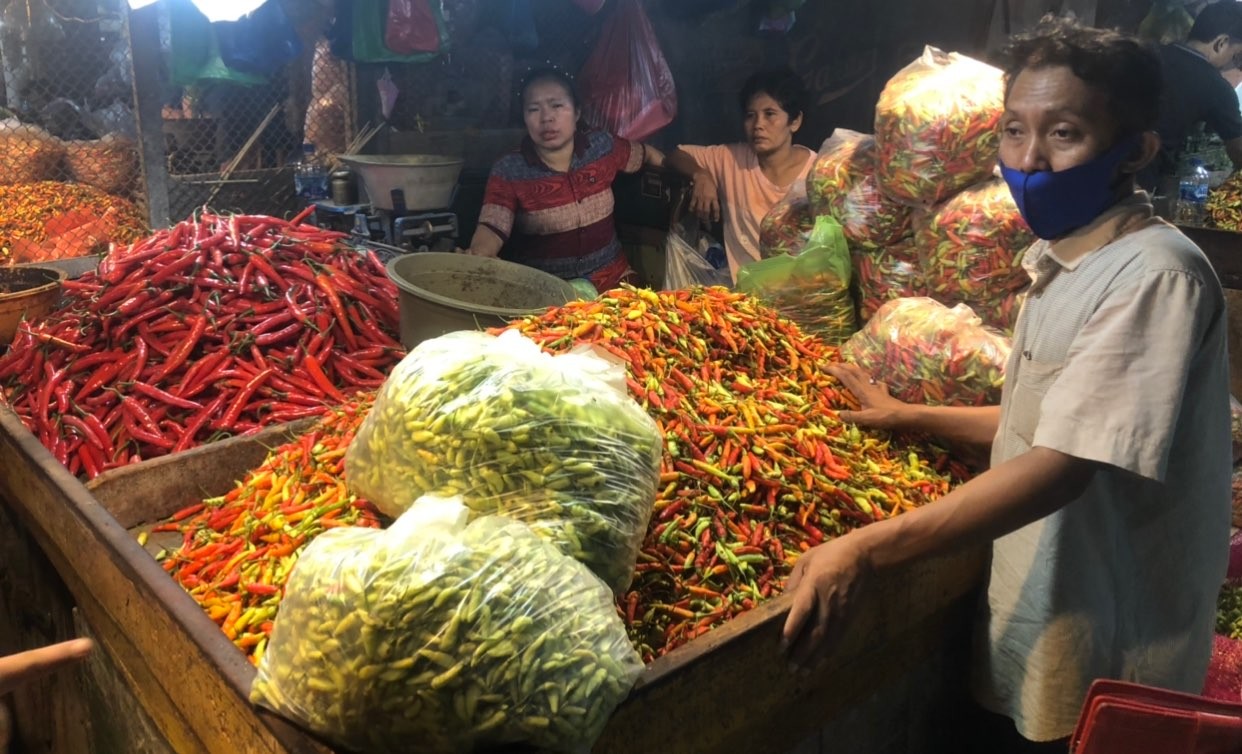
<point x="842" y="184"/>
<point x="928" y="353"/>
<point x="885" y="274"/>
<point x="787" y="226"/>
<point x="437" y="636"/>
<point x="972" y="248"/>
<point x="813" y="288"/>
<point x="937" y="127"/>
<point x="686" y="262"/>
<point x="627" y="87"/>
<point x="553" y="441"/>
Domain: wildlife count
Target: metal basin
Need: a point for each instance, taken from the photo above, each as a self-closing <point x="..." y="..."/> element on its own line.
<point x="426" y="180"/>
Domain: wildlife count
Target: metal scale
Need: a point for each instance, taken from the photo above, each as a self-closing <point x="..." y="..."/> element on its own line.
<point x="409" y="199"/>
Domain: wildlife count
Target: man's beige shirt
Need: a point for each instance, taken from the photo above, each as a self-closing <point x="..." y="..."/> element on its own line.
<point x="1118" y="357"/>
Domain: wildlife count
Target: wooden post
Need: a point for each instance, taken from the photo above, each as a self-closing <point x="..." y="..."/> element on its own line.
<point x="144" y="55"/>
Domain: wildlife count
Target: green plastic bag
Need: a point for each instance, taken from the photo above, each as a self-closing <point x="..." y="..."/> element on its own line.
<point x="195" y="54"/>
<point x="813" y="288"/>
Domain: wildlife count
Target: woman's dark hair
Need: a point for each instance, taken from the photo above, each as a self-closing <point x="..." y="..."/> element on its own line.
<point x="781" y="84"/>
<point x="1126" y="71"/>
<point x="556" y="75"/>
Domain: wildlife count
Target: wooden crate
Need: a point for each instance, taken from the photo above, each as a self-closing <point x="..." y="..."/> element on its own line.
<point x="192" y="683"/>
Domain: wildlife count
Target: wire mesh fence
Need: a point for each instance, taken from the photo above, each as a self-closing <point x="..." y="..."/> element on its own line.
<point x="69" y="164"/>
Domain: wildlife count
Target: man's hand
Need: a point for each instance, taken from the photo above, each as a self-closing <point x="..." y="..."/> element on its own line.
<point x="825" y="584"/>
<point x="23" y="667"/>
<point x="878" y="409"/>
<point x="705" y="199"/>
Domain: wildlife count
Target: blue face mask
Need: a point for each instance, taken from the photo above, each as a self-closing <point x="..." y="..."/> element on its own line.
<point x="1056" y="203"/>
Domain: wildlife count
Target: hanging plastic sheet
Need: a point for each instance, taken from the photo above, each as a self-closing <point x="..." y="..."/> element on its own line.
<point x="260" y="43"/>
<point x="359" y="33"/>
<point x="626" y="84"/>
<point x="196" y="50"/>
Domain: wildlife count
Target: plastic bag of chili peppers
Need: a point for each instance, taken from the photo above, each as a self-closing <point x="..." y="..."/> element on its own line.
<point x="1224" y="204"/>
<point x="787" y="226"/>
<point x="931" y="354"/>
<point x="842" y="184"/>
<point x="811" y="289"/>
<point x="554" y="441"/>
<point x="885" y="274"/>
<point x="971" y="250"/>
<point x="440" y="636"/>
<point x="937" y="127"/>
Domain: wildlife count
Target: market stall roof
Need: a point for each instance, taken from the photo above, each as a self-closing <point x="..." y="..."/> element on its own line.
<point x="214" y="10"/>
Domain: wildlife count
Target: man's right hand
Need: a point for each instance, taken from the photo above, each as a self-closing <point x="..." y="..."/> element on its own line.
<point x="705" y="198"/>
<point x="877" y="409"/>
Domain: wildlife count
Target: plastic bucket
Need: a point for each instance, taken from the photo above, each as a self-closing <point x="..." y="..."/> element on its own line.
<point x="26" y="291"/>
<point x="440" y="293"/>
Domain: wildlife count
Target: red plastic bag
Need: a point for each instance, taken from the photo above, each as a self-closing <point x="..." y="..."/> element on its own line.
<point x="411" y="27"/>
<point x="627" y="86"/>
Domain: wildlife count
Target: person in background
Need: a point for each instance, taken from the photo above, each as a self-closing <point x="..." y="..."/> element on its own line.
<point x="1107" y="503"/>
<point x="739" y="183"/>
<point x="549" y="204"/>
<point x="1197" y="92"/>
<point x="16" y="670"/>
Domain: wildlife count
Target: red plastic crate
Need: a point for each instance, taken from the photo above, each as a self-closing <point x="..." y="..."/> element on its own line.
<point x="1127" y="718"/>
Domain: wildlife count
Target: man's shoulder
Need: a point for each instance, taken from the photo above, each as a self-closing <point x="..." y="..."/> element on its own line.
<point x="1160" y="247"/>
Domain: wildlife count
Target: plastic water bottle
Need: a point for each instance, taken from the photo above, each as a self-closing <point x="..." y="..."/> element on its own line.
<point x="310" y="177"/>
<point x="1192" y="194"/>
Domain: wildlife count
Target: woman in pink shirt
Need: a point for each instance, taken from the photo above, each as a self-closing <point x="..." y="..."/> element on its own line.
<point x="739" y="183"/>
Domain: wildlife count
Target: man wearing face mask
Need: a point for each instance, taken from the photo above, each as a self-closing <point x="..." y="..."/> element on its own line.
<point x="1108" y="497"/>
<point x="1197" y="92"/>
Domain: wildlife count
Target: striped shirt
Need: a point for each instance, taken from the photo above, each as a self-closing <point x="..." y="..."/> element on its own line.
<point x="1119" y="357"/>
<point x="559" y="222"/>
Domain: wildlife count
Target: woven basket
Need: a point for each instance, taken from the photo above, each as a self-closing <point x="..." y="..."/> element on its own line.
<point x="109" y="164"/>
<point x="28" y="153"/>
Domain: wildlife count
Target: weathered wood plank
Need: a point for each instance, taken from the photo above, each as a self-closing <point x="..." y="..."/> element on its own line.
<point x="180" y="654"/>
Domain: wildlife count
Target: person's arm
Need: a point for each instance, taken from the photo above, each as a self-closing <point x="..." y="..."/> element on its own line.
<point x="652" y="157"/>
<point x="827" y="578"/>
<point x="1224" y="118"/>
<point x="966" y="425"/>
<point x="485" y="243"/>
<point x="495" y="219"/>
<point x="705" y="199"/>
<point x="23" y="667"/>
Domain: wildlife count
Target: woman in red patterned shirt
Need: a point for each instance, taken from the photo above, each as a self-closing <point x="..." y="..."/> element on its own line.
<point x="549" y="203"/>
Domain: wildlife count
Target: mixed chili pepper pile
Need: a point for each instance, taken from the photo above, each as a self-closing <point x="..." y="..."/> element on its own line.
<point x="757" y="466"/>
<point x="51" y="220"/>
<point x="885" y="274"/>
<point x="213" y="327"/>
<point x="1224" y="204"/>
<point x="237" y="550"/>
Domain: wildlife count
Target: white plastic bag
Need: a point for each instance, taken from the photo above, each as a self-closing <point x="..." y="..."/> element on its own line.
<point x="554" y="441"/>
<point x="440" y="636"/>
<point x="686" y="262"/>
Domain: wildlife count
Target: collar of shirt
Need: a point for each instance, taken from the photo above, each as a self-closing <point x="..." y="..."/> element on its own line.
<point x="1191" y="50"/>
<point x="581" y="143"/>
<point x="1068" y="252"/>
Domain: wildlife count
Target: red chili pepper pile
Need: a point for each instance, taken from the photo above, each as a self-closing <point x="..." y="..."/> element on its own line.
<point x="214" y="327"/>
<point x="928" y="353"/>
<point x="757" y="466"/>
<point x="972" y="248"/>
<point x="237" y="550"/>
<point x="937" y="127"/>
<point x="885" y="274"/>
<point x="842" y="184"/>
